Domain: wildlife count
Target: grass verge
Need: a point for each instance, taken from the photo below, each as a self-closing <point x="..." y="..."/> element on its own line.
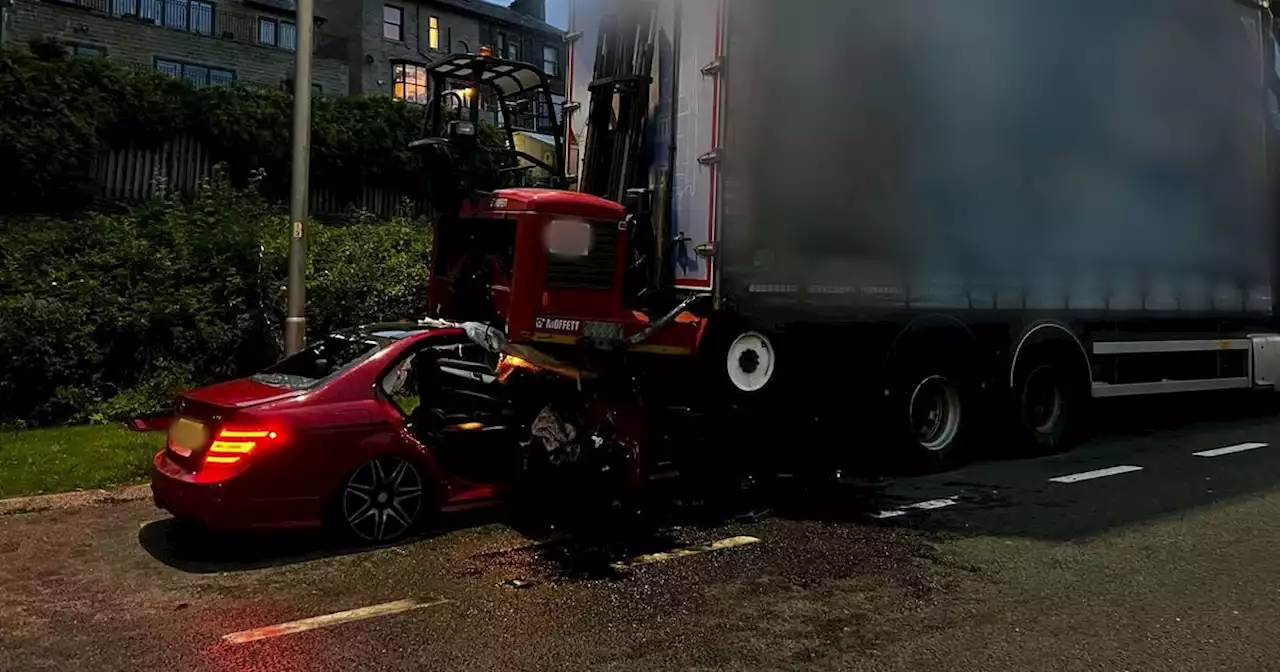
<point x="60" y="459"/>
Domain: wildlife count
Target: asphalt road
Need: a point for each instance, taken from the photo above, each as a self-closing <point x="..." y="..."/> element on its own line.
<point x="1163" y="560"/>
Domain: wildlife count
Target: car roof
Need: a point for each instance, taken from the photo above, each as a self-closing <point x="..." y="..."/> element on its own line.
<point x="392" y="331"/>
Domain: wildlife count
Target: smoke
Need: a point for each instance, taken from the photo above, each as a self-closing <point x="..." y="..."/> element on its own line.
<point x="995" y="138"/>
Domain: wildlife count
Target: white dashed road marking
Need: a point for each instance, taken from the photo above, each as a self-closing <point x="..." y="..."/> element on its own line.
<point x="325" y="621"/>
<point x="651" y="558"/>
<point x="920" y="506"/>
<point x="1240" y="448"/>
<point x="1097" y="473"/>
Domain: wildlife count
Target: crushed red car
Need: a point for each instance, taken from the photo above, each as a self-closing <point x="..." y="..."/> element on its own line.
<point x="340" y="433"/>
<point x="370" y="431"/>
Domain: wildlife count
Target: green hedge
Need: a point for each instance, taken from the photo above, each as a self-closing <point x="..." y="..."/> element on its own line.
<point x="103" y="316"/>
<point x="57" y="113"/>
<point x="107" y="309"/>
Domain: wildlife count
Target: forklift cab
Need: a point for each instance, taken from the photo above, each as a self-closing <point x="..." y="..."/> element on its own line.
<point x="470" y="89"/>
<point x="542" y="263"/>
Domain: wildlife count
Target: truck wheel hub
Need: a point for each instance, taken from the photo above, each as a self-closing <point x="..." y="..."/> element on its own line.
<point x="934" y="412"/>
<point x="750" y="361"/>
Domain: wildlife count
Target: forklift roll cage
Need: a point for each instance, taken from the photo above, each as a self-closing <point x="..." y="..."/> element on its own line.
<point x="507" y="80"/>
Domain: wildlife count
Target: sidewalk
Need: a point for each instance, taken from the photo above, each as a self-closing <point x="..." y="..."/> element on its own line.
<point x="74" y="500"/>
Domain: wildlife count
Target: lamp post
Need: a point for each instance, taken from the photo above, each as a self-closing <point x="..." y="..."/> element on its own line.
<point x="295" y="324"/>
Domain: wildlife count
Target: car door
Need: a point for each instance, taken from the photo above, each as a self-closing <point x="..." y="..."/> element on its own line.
<point x="456" y="408"/>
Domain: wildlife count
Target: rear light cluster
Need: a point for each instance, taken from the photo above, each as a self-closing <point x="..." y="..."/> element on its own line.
<point x="232" y="445"/>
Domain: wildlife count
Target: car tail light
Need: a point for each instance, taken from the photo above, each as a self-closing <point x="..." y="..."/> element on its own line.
<point x="231" y="445"/>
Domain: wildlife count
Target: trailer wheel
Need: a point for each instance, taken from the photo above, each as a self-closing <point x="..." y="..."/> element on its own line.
<point x="750" y="361"/>
<point x="1048" y="401"/>
<point x="932" y="403"/>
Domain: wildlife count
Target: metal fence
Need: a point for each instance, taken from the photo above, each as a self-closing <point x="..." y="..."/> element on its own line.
<point x="135" y="173"/>
<point x="143" y="173"/>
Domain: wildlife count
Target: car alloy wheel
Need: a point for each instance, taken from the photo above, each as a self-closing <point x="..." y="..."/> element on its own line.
<point x="382" y="498"/>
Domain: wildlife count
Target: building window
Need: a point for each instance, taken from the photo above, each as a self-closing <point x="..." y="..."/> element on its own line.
<point x="288" y="36"/>
<point x="267" y="29"/>
<point x="393" y="23"/>
<point x="508" y="48"/>
<point x="433" y="32"/>
<point x="149" y="10"/>
<point x="543" y="116"/>
<point x="198" y="75"/>
<point x="409" y="82"/>
<point x="196" y="16"/>
<point x="286" y="85"/>
<point x="277" y="33"/>
<point x="551" y="61"/>
<point x="193" y="15"/>
<point x="87" y="51"/>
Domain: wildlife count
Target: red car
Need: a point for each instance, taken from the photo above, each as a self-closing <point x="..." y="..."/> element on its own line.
<point x="369" y="430"/>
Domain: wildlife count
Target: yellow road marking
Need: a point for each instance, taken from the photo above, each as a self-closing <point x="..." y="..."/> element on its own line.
<point x="731" y="542"/>
<point x="327" y="620"/>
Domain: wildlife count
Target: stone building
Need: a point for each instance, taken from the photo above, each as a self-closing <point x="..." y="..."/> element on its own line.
<point x="391" y="42"/>
<point x="209" y="42"/>
<point x="361" y="46"/>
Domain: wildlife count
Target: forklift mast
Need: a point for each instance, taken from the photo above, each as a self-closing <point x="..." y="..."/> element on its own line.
<point x="614" y="157"/>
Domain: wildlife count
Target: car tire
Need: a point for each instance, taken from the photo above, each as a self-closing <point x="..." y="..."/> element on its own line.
<point x="381" y="501"/>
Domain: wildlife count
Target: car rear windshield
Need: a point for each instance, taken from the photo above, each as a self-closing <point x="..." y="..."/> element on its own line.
<point x="317" y="362"/>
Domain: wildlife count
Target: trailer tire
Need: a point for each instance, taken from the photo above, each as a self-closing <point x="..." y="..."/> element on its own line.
<point x="933" y="402"/>
<point x="1049" y="400"/>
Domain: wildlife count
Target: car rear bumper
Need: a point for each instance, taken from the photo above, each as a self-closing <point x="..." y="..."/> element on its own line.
<point x="223" y="505"/>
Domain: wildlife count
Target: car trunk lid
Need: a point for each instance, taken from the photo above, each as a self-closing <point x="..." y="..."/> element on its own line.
<point x="203" y="412"/>
<point x="239" y="393"/>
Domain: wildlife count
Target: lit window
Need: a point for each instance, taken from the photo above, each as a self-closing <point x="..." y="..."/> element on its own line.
<point x="551" y="61"/>
<point x="433" y="32"/>
<point x="393" y="23"/>
<point x="409" y="82"/>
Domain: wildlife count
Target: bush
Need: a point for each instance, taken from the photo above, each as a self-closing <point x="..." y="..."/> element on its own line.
<point x="360" y="272"/>
<point x="105" y="315"/>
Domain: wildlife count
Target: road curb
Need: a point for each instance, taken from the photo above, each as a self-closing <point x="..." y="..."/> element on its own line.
<point x="66" y="501"/>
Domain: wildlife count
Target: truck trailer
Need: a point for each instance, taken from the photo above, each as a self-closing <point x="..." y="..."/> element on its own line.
<point x="903" y="221"/>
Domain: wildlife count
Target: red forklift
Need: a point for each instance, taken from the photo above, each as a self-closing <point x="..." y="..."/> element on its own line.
<point x="559" y="284"/>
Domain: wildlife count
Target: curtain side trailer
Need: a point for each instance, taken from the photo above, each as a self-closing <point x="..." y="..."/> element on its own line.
<point x="919" y="212"/>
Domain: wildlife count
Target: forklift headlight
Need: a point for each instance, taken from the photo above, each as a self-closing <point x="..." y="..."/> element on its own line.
<point x="568" y="237"/>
